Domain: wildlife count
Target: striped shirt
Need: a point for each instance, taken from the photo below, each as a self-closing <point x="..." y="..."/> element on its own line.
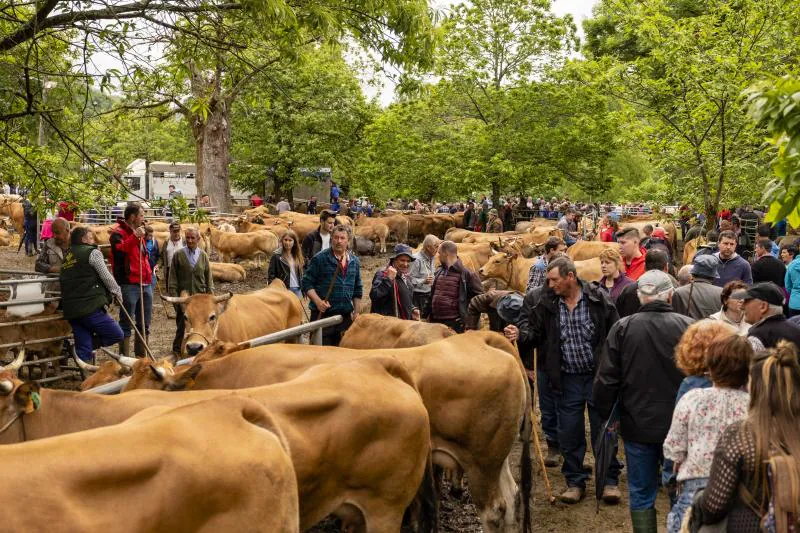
<point x="577" y="331"/>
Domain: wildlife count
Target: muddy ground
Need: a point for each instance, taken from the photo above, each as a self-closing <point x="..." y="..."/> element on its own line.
<point x="456" y="515"/>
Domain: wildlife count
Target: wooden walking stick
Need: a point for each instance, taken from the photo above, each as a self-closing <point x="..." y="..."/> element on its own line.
<point x="538" y="446"/>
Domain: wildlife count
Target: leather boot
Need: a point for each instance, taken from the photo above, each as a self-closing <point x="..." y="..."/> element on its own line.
<point x="125" y="347"/>
<point x="644" y="521"/>
<point x="138" y="346"/>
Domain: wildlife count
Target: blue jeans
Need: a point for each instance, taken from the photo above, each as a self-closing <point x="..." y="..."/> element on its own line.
<point x="130" y="300"/>
<point x="547" y="405"/>
<point x="643" y="460"/>
<point x="575" y="397"/>
<point x="98" y="325"/>
<point x="689" y="488"/>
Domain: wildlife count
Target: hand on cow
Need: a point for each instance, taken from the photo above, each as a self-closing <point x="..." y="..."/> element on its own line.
<point x="391" y="272"/>
<point x="511" y="332"/>
<point x="415" y="314"/>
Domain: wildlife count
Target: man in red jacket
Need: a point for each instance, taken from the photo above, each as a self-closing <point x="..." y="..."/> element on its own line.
<point x="130" y="265"/>
<point x="632" y="252"/>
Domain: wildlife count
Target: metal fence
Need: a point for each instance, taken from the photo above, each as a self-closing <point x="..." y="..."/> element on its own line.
<point x="315" y="328"/>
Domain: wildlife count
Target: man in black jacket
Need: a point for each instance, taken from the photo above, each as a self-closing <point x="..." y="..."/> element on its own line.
<point x="391" y="293"/>
<point x="319" y="240"/>
<point x="763" y="307"/>
<point x="568" y="320"/>
<point x="628" y="300"/>
<point x="767" y="267"/>
<point x="639" y="372"/>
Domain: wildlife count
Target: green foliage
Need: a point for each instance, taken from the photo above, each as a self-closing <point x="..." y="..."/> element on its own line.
<point x="544" y="133"/>
<point x="775" y="106"/>
<point x="309" y="114"/>
<point x="680" y="66"/>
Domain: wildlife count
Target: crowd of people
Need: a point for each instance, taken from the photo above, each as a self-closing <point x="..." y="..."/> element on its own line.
<point x="669" y="358"/>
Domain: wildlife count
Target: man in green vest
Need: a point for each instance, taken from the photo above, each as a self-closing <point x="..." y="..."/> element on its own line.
<point x="189" y="273"/>
<point x="86" y="289"/>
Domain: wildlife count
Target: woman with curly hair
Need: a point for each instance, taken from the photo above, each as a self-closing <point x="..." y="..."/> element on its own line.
<point x="690" y="358"/>
<point x="755" y="473"/>
<point x="690" y="354"/>
<point x="701" y="416"/>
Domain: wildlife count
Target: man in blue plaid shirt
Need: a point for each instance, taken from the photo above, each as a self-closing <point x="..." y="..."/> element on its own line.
<point x="568" y="320"/>
<point x="537" y="275"/>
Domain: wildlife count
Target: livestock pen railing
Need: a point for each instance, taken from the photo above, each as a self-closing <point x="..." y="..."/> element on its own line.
<point x="10" y="287"/>
<point x="315" y="328"/>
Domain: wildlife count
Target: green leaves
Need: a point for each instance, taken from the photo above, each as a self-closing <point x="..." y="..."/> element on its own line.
<point x="773" y="105"/>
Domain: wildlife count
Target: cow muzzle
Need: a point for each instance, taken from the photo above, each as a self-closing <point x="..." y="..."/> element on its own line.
<point x="194" y="348"/>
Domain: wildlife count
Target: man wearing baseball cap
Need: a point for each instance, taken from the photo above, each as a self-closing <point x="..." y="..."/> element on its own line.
<point x="763" y="307"/>
<point x="639" y="373"/>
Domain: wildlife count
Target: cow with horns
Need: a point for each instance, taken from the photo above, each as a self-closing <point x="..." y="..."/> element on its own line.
<point x="237" y="317"/>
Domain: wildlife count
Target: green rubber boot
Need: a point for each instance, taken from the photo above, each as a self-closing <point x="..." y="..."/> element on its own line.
<point x="644" y="521"/>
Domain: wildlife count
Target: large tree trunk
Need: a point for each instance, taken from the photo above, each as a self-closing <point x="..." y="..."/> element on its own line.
<point x="496" y="194"/>
<point x="214" y="158"/>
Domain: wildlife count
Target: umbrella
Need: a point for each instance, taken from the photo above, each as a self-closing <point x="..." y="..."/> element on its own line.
<point x="605" y="451"/>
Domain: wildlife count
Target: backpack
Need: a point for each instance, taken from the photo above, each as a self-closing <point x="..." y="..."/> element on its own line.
<point x="784" y="489"/>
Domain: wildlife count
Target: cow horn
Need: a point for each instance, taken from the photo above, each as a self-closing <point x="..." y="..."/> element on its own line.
<point x="124" y="360"/>
<point x="86" y="366"/>
<point x="223" y="297"/>
<point x="17" y="363"/>
<point x="175" y="299"/>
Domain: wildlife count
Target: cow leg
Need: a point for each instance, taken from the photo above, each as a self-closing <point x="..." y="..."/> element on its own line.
<point x="495" y="495"/>
<point x="383" y="245"/>
<point x="381" y="518"/>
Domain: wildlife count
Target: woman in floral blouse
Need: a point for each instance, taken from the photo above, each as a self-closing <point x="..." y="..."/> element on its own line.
<point x="701" y="416"/>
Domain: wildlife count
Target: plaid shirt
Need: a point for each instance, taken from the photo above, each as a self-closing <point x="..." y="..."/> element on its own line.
<point x="577" y="331"/>
<point x="537" y="275"/>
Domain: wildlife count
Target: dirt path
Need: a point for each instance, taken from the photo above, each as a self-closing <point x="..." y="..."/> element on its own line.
<point x="456" y="516"/>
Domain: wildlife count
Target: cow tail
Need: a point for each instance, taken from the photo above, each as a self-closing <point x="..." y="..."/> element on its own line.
<point x="526" y="470"/>
<point x="427" y="500"/>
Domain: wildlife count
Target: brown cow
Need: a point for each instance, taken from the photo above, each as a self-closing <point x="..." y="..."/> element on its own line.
<point x="513" y="269"/>
<point x="231" y="444"/>
<point x="473" y="385"/>
<point x="245" y="245"/>
<point x="237" y="317"/>
<point x="398" y="225"/>
<point x="105" y="373"/>
<point x="690" y="249"/>
<point x="582" y="250"/>
<point x="228" y="272"/>
<point x="358" y="433"/>
<point x="43" y="330"/>
<point x="421" y="225"/>
<point x="373" y="232"/>
<point x="393" y="333"/>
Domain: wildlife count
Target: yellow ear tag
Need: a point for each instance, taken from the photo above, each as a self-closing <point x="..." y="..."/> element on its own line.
<point x="33" y="402"/>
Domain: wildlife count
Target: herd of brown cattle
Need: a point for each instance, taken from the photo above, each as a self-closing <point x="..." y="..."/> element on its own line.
<point x="275" y="438"/>
<point x="302" y="431"/>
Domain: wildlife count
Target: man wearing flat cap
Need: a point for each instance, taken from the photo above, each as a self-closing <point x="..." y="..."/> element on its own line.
<point x="700" y="298"/>
<point x="763" y="307"/>
<point x="392" y="292"/>
<point x="639" y="371"/>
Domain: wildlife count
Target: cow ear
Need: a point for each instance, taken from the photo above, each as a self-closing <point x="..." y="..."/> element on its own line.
<point x="185" y="380"/>
<point x="156" y="372"/>
<point x="27" y="397"/>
